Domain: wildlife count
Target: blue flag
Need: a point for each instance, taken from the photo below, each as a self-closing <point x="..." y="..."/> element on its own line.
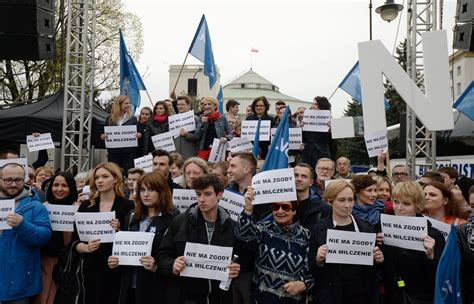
<point x="465" y="102"/>
<point x="220" y="99"/>
<point x="277" y="157"/>
<point x="447" y="287"/>
<point x="201" y="48"/>
<point x="130" y="80"/>
<point x="351" y="85"/>
<point x="256" y="142"/>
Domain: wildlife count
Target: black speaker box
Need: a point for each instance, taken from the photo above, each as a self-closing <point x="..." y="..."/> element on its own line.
<point x="44" y="4"/>
<point x="26" y="20"/>
<point x="26" y="47"/>
<point x="463" y="37"/>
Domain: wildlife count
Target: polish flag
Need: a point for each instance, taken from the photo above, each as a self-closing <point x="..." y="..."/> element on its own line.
<point x="253" y="50"/>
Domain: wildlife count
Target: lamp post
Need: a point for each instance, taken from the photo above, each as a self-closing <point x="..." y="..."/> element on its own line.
<point x="370" y="19"/>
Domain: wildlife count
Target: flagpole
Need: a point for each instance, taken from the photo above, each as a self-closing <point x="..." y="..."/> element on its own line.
<point x="251" y="57"/>
<point x="180" y="71"/>
<point x="149" y="98"/>
<point x="333" y="93"/>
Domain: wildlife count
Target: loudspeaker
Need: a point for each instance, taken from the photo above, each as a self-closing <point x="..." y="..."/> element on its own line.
<point x="26" y="47"/>
<point x="33" y="20"/>
<point x="27" y="29"/>
<point x="463" y="39"/>
<point x="465" y="10"/>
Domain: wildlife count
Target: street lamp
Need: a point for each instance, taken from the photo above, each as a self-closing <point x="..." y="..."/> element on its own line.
<point x="389" y="10"/>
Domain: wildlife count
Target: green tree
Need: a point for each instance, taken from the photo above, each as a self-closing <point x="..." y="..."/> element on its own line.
<point x="25" y="80"/>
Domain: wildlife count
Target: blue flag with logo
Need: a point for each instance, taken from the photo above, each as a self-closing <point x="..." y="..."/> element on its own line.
<point x="256" y="141"/>
<point x="465" y="102"/>
<point x="351" y="85"/>
<point x="130" y="80"/>
<point x="201" y="48"/>
<point x="447" y="287"/>
<point x="220" y="99"/>
<point x="277" y="157"/>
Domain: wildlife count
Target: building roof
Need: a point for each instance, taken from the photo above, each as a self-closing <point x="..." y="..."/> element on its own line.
<point x="251" y="85"/>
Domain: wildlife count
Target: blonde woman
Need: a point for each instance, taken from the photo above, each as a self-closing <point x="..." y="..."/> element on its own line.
<point x="121" y="115"/>
<point x="101" y="283"/>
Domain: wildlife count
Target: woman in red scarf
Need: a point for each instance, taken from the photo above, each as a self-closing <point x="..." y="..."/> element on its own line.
<point x="211" y="124"/>
<point x="156" y="125"/>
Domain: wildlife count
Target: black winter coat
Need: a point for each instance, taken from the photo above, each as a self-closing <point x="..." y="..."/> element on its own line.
<point x="414" y="268"/>
<point x="153" y="128"/>
<point x="327" y="278"/>
<point x="147" y="280"/>
<point x="264" y="145"/>
<point x="311" y="211"/>
<point x="467" y="265"/>
<point x="190" y="227"/>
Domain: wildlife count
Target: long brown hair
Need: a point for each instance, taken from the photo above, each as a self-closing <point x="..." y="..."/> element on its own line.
<point x="451" y="208"/>
<point x="157" y="182"/>
<point x="116" y="173"/>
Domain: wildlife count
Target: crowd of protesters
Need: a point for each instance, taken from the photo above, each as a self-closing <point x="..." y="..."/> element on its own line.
<point x="280" y="247"/>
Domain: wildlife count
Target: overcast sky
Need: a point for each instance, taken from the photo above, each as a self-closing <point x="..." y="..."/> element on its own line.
<point x="305" y="47"/>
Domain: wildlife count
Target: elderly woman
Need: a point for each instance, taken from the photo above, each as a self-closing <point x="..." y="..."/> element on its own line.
<point x="341" y="283"/>
<point x="410" y="274"/>
<point x="193" y="168"/>
<point x="466" y="246"/>
<point x="275" y="281"/>
<point x="367" y="207"/>
<point x="440" y="205"/>
<point x="211" y="124"/>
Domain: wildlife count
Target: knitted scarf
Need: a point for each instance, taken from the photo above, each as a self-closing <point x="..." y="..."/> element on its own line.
<point x="469" y="230"/>
<point x="160" y="118"/>
<point x="369" y="213"/>
<point x="214" y="116"/>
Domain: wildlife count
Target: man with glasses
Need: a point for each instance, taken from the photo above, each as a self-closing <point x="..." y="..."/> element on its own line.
<point x="400" y="174"/>
<point x="186" y="142"/>
<point x="324" y="172"/>
<point x="20" y="256"/>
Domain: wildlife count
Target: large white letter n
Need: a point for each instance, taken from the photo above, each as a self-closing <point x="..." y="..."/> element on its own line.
<point x="433" y="109"/>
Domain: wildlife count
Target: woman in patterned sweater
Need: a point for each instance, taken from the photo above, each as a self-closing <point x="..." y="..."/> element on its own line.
<point x="281" y="273"/>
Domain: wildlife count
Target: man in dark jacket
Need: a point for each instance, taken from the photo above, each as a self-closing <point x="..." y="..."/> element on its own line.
<point x="162" y="162"/>
<point x="205" y="223"/>
<point x="311" y="208"/>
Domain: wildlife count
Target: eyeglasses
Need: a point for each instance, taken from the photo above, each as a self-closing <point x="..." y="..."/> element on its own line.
<point x="44" y="175"/>
<point x="9" y="180"/>
<point x="399" y="174"/>
<point x="324" y="169"/>
<point x="285" y="207"/>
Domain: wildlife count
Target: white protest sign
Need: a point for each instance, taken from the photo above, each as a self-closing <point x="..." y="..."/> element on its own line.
<point x="144" y="162"/>
<point x="183" y="198"/>
<point x="130" y="246"/>
<point x="238" y="144"/>
<point x="95" y="225"/>
<point x="233" y="202"/>
<point x="217" y="151"/>
<point x="295" y="136"/>
<point x="347" y="247"/>
<point x="404" y="231"/>
<point x="181" y="120"/>
<point x="86" y="192"/>
<point x="376" y="143"/>
<point x="274" y="186"/>
<point x="164" y="141"/>
<point x="316" y="120"/>
<point x="42" y="142"/>
<point x="207" y="261"/>
<point x="61" y="216"/>
<point x="6" y="207"/>
<point x="121" y="136"/>
<point x="20" y="161"/>
<point x="249" y="128"/>
<point x="444" y="228"/>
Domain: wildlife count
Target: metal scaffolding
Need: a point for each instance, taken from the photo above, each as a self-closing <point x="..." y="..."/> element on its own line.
<point x="78" y="85"/>
<point x="420" y="141"/>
